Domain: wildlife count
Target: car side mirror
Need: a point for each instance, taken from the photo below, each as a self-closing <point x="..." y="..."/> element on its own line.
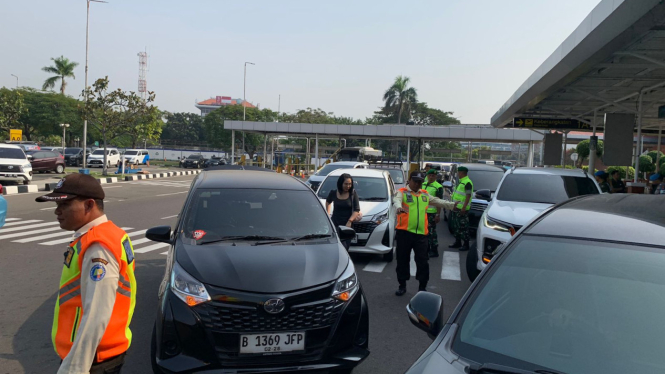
<point x="484" y="195"/>
<point x="30" y="158"/>
<point x="346" y="233"/>
<point x="159" y="234"/>
<point x="426" y="313"/>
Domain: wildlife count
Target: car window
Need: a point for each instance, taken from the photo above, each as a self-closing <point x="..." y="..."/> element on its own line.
<point x="231" y="212"/>
<point x="367" y="188"/>
<point x="397" y="175"/>
<point x="485" y="179"/>
<point x="569" y="305"/>
<point x="113" y="153"/>
<point x="15" y="153"/>
<point x="330" y="168"/>
<point x="51" y="154"/>
<point x="98" y="152"/>
<point x="539" y="188"/>
<point x="132" y="153"/>
<point x="72" y="151"/>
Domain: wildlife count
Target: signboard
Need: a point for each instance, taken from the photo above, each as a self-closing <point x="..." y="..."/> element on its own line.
<point x="574" y="156"/>
<point x="15" y="135"/>
<point x="497" y="153"/>
<point x="97" y="144"/>
<point x="550" y="123"/>
<point x="221" y="100"/>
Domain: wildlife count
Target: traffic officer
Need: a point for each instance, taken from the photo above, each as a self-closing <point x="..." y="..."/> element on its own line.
<point x="97" y="291"/>
<point x="411" y="204"/>
<point x="460" y="215"/>
<point x="435" y="189"/>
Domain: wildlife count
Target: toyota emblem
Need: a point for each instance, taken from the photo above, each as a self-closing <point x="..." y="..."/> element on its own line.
<point x="274" y="306"/>
<point x="10" y="167"/>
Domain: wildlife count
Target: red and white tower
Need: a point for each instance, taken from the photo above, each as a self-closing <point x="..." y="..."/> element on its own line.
<point x="143" y="69"/>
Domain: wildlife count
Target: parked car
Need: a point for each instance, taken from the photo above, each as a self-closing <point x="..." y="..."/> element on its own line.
<point x="194" y="161"/>
<point x="521" y="195"/>
<point x="74" y="156"/>
<point x="442" y="168"/>
<point x="577" y="290"/>
<point x="96" y="158"/>
<point x="26" y="146"/>
<point x="315" y="180"/>
<point x="257" y="280"/>
<point x="395" y="168"/>
<point x="136" y="156"/>
<point x="46" y="161"/>
<point x="3" y="208"/>
<point x="375" y="232"/>
<point x="485" y="178"/>
<point x="214" y="161"/>
<point x="14" y="164"/>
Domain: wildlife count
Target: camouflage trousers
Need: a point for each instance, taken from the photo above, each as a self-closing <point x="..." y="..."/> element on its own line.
<point x="432" y="238"/>
<point x="460" y="225"/>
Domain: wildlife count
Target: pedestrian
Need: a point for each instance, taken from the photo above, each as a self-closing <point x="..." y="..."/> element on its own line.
<point x="658" y="184"/>
<point x="616" y="183"/>
<point x="459" y="217"/>
<point x="601" y="178"/>
<point x="97" y="291"/>
<point x="3" y="209"/>
<point x="435" y="189"/>
<point x="411" y="205"/>
<point x="345" y="203"/>
<point x="447" y="193"/>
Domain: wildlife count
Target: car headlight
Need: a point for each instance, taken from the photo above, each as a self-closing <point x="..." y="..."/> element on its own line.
<point x="489" y="223"/>
<point x="188" y="289"/>
<point x="381" y="217"/>
<point x="347" y="285"/>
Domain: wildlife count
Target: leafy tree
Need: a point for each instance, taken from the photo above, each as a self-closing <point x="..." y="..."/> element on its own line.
<point x="53" y="141"/>
<point x="646" y="165"/>
<point x="62" y="68"/>
<point x="654" y="155"/>
<point x="399" y="98"/>
<point x="423" y="115"/>
<point x="187" y="127"/>
<point x="622" y="171"/>
<point x="583" y="150"/>
<point x="47" y="110"/>
<point x="12" y="107"/>
<point x="219" y="137"/>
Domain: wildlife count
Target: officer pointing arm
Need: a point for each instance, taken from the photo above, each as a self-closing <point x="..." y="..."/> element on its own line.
<point x="433" y="200"/>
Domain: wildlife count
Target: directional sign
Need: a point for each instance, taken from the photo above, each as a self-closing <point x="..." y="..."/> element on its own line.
<point x="15" y="135"/>
<point x="574" y="156"/>
<point x="550" y="123"/>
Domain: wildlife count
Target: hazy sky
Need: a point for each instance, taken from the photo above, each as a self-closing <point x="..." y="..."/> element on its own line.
<point x="465" y="56"/>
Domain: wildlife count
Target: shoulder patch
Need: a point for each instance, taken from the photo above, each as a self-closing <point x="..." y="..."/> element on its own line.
<point x="68" y="256"/>
<point x="101" y="260"/>
<point x="127" y="246"/>
<point x="97" y="272"/>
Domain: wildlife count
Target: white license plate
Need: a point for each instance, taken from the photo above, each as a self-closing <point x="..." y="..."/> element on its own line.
<point x="272" y="343"/>
<point x="354" y="240"/>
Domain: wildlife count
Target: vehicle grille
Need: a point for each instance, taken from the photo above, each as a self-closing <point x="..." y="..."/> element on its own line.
<point x="14" y="168"/>
<point x="226" y="318"/>
<point x="364" y="227"/>
<point x="477" y="206"/>
<point x="95" y="162"/>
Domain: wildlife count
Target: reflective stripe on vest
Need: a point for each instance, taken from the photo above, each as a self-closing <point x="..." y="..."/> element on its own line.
<point x="68" y="307"/>
<point x="415" y="219"/>
<point x="459" y="195"/>
<point x="431" y="189"/>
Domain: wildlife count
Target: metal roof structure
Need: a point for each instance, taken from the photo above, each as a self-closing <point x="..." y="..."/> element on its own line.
<point x="614" y="55"/>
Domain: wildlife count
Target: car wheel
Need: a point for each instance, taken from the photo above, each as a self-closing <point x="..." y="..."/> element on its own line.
<point x="59" y="169"/>
<point x="26" y="182"/>
<point x="153" y="351"/>
<point x="472" y="263"/>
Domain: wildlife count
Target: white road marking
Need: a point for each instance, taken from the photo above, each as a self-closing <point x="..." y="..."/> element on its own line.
<point x="48" y="236"/>
<point x="451" y="266"/>
<point x="375" y="266"/>
<point x="165" y="253"/>
<point x="141" y="241"/>
<point x="24" y="233"/>
<point x="36" y="226"/>
<point x="152" y="247"/>
<point x="413" y="264"/>
<point x="12" y="219"/>
<point x="134" y="233"/>
<point x="106" y="188"/>
<point x="175" y="193"/>
<point x="51" y="208"/>
<point x="169" y="217"/>
<point x="21" y="223"/>
<point x="67" y="240"/>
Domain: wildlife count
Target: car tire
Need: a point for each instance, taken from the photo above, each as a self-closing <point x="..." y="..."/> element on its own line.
<point x="59" y="169"/>
<point x="153" y="351"/>
<point x="26" y="182"/>
<point x="472" y="263"/>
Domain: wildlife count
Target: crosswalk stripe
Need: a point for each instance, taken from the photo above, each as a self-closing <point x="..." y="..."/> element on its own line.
<point x="41" y="237"/>
<point x="376" y="265"/>
<point x="165" y="253"/>
<point x="134" y="233"/>
<point x="12" y="219"/>
<point x="151" y="247"/>
<point x="21" y="223"/>
<point x="26" y="233"/>
<point x="451" y="266"/>
<point x="67" y="240"/>
<point x="413" y="264"/>
<point x="141" y="241"/>
<point x="12" y="229"/>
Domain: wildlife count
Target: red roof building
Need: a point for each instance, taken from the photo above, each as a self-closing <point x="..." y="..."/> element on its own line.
<point x="207" y="106"/>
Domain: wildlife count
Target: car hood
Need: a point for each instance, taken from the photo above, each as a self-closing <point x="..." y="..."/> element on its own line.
<point x="367" y="208"/>
<point x="14" y="161"/>
<point x="317" y="178"/>
<point x="97" y="157"/>
<point x="265" y="268"/>
<point x="516" y="213"/>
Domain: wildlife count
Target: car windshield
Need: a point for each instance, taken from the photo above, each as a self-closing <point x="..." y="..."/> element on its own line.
<point x="542" y="188"/>
<point x="485" y="179"/>
<point x="569" y="305"/>
<point x="250" y="212"/>
<point x="16" y="153"/>
<point x="100" y="152"/>
<point x="332" y="167"/>
<point x="72" y="151"/>
<point x="193" y="157"/>
<point x="367" y="188"/>
<point x="131" y="153"/>
<point x="397" y="175"/>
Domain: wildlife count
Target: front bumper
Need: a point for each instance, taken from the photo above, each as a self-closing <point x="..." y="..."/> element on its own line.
<point x="487" y="241"/>
<point x="95" y="163"/>
<point x="372" y="238"/>
<point x="15" y="177"/>
<point x="206" y="338"/>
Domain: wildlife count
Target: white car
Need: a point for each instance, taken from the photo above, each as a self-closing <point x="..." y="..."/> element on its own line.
<point x="315" y="180"/>
<point x="523" y="194"/>
<point x="14" y="164"/>
<point x="375" y="232"/>
<point x="136" y="156"/>
<point x="96" y="158"/>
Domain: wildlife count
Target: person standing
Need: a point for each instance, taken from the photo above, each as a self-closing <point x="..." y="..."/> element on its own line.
<point x="616" y="183"/>
<point x="460" y="214"/>
<point x="411" y="205"/>
<point x="97" y="292"/>
<point x="601" y="178"/>
<point x="435" y="189"/>
<point x="345" y="203"/>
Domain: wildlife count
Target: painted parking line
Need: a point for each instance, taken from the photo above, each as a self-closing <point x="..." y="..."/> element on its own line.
<point x="12" y="219"/>
<point x="451" y="266"/>
<point x="26" y="233"/>
<point x="375" y="266"/>
<point x="175" y="193"/>
<point x="169" y="217"/>
<point x="20" y="223"/>
<point x="19" y="228"/>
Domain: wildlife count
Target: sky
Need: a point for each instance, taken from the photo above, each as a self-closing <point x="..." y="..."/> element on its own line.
<point x="463" y="56"/>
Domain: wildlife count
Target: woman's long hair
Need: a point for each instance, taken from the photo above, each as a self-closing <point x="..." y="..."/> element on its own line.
<point x="340" y="183"/>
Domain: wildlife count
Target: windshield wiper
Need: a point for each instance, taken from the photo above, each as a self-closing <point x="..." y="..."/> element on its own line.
<point x="311" y="236"/>
<point x="243" y="237"/>
<point x="490" y="368"/>
<point x="375" y="198"/>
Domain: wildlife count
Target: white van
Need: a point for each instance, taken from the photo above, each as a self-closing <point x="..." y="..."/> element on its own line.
<point x="96" y="158"/>
<point x="136" y="156"/>
<point x="14" y="164"/>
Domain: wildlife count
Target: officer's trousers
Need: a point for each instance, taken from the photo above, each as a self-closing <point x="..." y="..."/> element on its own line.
<point x="407" y="241"/>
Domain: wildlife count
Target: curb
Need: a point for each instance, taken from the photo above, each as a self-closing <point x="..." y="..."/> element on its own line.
<point x="161" y="175"/>
<point x="12" y="190"/>
<point x="108" y="180"/>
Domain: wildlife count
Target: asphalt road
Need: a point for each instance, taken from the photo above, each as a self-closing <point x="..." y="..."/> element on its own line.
<point x="32" y="246"/>
<point x="41" y="178"/>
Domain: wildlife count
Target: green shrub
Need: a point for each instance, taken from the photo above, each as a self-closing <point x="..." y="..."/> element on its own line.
<point x="646" y="164"/>
<point x="622" y="171"/>
<point x="654" y="156"/>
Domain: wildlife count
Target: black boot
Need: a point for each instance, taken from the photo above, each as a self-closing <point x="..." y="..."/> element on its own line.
<point x="465" y="247"/>
<point x="422" y="287"/>
<point x="457" y="244"/>
<point x="401" y="290"/>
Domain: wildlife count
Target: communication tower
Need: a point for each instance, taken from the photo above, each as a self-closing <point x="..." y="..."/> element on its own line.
<point x="143" y="69"/>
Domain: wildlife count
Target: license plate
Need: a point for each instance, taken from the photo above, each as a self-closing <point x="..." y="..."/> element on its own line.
<point x="354" y="240"/>
<point x="272" y="343"/>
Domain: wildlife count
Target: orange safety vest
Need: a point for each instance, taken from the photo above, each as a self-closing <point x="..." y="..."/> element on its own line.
<point x="69" y="308"/>
<point x="414" y="220"/>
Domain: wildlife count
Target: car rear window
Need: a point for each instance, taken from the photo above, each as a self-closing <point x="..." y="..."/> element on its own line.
<point x="15" y="153"/>
<point x="542" y="188"/>
<point x="332" y="167"/>
<point x="131" y="153"/>
<point x="367" y="188"/>
<point x="485" y="179"/>
<point x="72" y="151"/>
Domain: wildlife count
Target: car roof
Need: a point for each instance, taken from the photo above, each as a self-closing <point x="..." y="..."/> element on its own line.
<point x="351" y="163"/>
<point x="550" y="171"/>
<point x="215" y="178"/>
<point x="632" y="218"/>
<point x="372" y="173"/>
<point x="482" y="167"/>
<point x="9" y="146"/>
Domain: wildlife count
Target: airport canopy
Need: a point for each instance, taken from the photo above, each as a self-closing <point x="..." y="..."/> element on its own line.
<point x="617" y="52"/>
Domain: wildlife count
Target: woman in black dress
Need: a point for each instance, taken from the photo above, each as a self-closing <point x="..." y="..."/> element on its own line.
<point x="345" y="202"/>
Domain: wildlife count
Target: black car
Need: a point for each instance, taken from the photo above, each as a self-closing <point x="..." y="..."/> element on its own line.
<point x="485" y="180"/>
<point x="578" y="290"/>
<point x="74" y="156"/>
<point x="257" y="281"/>
<point x="193" y="161"/>
<point x="214" y="161"/>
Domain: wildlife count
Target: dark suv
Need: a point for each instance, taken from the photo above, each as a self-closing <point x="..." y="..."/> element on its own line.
<point x="193" y="161"/>
<point x="257" y="281"/>
<point x="74" y="156"/>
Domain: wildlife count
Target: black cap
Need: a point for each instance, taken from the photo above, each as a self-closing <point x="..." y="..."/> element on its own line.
<point x="417" y="176"/>
<point x="73" y="186"/>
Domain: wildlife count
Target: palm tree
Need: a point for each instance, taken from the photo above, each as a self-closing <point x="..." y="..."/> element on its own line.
<point x="63" y="68"/>
<point x="400" y="95"/>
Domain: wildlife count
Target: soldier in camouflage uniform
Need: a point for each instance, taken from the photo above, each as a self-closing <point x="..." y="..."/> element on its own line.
<point x="433" y="188"/>
<point x="460" y="215"/>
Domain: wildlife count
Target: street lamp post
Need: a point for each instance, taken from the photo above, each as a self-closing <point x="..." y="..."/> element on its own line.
<point x="16" y="79"/>
<point x="244" y="108"/>
<point x="64" y="127"/>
